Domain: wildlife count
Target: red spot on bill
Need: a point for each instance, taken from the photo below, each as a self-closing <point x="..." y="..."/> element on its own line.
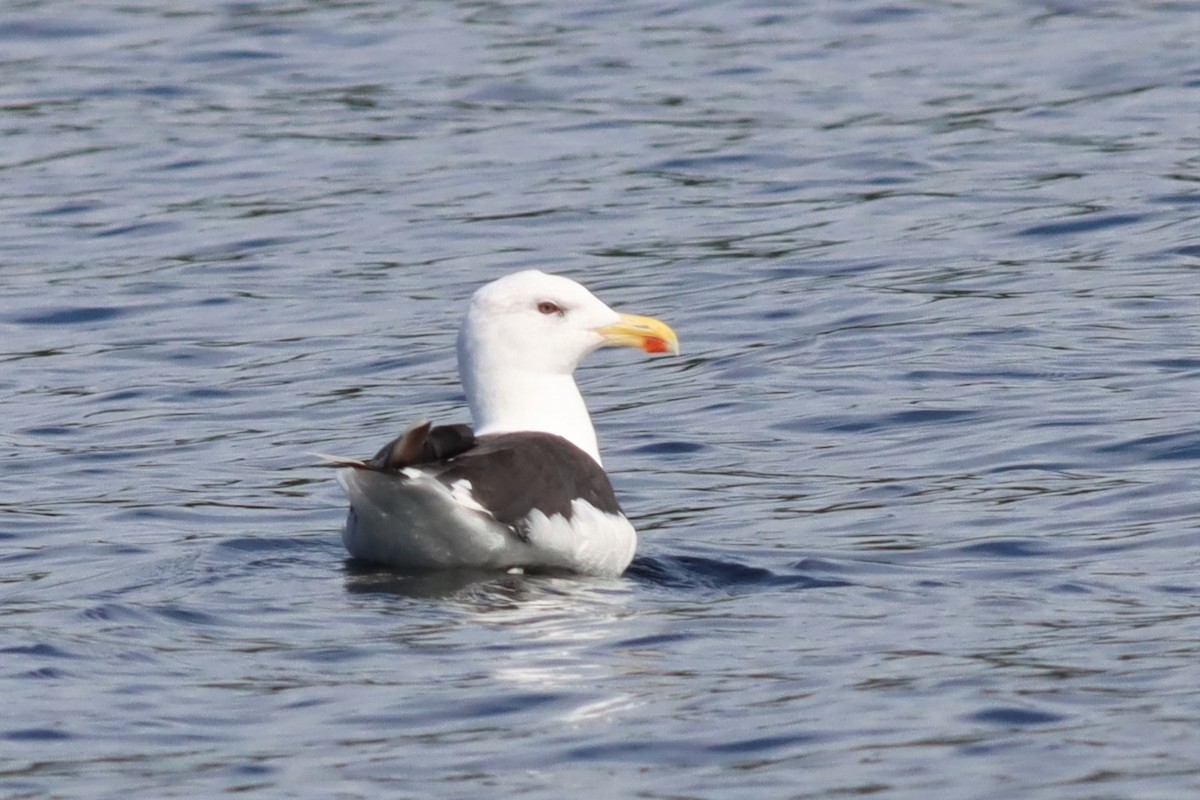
<point x="653" y="344"/>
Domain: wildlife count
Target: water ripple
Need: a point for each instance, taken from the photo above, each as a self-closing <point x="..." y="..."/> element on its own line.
<point x="916" y="507"/>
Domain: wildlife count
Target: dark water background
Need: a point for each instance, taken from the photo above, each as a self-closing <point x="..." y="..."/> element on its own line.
<point x="919" y="503"/>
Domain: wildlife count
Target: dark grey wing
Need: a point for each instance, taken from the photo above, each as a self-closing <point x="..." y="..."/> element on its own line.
<point x="512" y="474"/>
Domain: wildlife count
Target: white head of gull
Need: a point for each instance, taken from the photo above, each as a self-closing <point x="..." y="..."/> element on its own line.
<point x="518" y="348"/>
<point x="524" y="489"/>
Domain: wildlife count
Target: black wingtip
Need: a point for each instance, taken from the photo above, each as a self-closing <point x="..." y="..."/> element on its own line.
<point x="423" y="444"/>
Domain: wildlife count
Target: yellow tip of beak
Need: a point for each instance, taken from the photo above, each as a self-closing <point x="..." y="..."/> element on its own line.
<point x="645" y="333"/>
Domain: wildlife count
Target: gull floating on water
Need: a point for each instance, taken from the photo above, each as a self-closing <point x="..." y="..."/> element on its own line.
<point x="525" y="488"/>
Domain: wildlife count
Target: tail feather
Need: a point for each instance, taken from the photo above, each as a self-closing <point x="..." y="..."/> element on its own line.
<point x="339" y="461"/>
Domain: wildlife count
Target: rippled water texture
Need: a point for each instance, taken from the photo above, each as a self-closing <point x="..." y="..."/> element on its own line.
<point x="918" y="504"/>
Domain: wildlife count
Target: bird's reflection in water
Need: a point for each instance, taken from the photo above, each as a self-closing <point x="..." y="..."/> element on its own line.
<point x="364" y="578"/>
<point x="553" y="638"/>
<point x="464" y="584"/>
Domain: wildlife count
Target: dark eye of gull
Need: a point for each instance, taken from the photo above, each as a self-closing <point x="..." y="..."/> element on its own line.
<point x="548" y="307"/>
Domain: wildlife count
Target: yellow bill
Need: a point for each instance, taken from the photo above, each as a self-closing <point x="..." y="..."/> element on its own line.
<point x="645" y="333"/>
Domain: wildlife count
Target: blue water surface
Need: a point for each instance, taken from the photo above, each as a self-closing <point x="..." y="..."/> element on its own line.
<point x="918" y="504"/>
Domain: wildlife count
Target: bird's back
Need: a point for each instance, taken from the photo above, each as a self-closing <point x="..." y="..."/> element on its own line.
<point x="439" y="498"/>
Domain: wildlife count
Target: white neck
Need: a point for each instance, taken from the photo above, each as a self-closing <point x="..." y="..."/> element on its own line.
<point x="526" y="400"/>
